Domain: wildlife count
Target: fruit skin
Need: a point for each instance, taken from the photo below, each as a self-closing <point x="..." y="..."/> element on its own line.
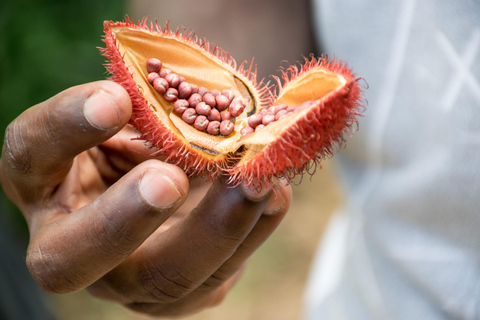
<point x="312" y="137"/>
<point x="169" y="143"/>
<point x="305" y="138"/>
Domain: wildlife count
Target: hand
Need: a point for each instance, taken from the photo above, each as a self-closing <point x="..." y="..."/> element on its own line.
<point x="97" y="210"/>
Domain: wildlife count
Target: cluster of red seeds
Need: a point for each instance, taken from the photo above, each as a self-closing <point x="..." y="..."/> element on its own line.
<point x="269" y="115"/>
<point x="212" y="111"/>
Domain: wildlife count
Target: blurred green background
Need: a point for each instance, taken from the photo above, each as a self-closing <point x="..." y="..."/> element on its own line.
<point x="48" y="46"/>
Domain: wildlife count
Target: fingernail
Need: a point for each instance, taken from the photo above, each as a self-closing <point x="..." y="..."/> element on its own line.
<point x="101" y="111"/>
<point x="158" y="189"/>
<point x="276" y="203"/>
<point x="255" y="193"/>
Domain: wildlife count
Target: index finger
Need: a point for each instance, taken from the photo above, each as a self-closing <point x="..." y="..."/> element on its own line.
<point x="41" y="143"/>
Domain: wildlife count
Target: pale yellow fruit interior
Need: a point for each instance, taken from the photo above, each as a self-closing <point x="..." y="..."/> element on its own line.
<point x="313" y="85"/>
<point x="197" y="67"/>
<point x="201" y="68"/>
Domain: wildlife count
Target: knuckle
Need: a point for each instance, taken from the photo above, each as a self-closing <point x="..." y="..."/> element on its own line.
<point x="15" y="151"/>
<point x="25" y="138"/>
<point x="223" y="280"/>
<point x="114" y="237"/>
<point x="217" y="279"/>
<point x="165" y="286"/>
<point x="46" y="271"/>
<point x="226" y="236"/>
<point x="51" y="129"/>
<point x="214" y="282"/>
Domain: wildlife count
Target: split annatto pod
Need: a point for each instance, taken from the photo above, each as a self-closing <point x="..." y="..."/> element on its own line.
<point x="204" y="113"/>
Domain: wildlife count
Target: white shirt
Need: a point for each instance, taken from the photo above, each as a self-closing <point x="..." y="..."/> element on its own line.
<point x="407" y="243"/>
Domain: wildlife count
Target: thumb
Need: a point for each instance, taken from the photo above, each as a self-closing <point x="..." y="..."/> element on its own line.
<point x="78" y="248"/>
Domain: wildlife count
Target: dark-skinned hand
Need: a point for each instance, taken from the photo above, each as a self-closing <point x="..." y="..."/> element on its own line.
<point x="108" y="218"/>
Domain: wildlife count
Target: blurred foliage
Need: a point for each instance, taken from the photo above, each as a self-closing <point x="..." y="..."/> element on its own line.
<point x="47" y="46"/>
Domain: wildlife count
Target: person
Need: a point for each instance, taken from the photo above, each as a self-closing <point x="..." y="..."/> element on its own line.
<point x="405" y="244"/>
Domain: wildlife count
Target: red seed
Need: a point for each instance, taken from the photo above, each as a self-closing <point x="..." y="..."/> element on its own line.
<point x="152" y="76"/>
<point x="182" y="79"/>
<point x="306" y="104"/>
<point x="171" y="95"/>
<point x="164" y="72"/>
<point x="226" y="127"/>
<point x="247" y="130"/>
<point x="180" y="106"/>
<point x="154" y="65"/>
<point x="184" y="90"/>
<point x="214" y="128"/>
<point x="215" y="115"/>
<point x="263" y="111"/>
<point x="189" y="116"/>
<point x="241" y="100"/>
<point x="259" y="127"/>
<point x="229" y="94"/>
<point x="173" y="79"/>
<point x="202" y="91"/>
<point x="226" y="115"/>
<point x="255" y="120"/>
<point x="194" y="88"/>
<point x="209" y="99"/>
<point x="281" y="115"/>
<point x="201" y="123"/>
<point x="194" y="99"/>
<point x="236" y="108"/>
<point x="161" y="85"/>
<point x="203" y="109"/>
<point x="215" y="92"/>
<point x="222" y="102"/>
<point x="291" y="109"/>
<point x="267" y="119"/>
<point x="280" y="107"/>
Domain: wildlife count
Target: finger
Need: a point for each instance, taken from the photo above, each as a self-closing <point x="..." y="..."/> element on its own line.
<point x="122" y="152"/>
<point x="273" y="214"/>
<point x="193" y="303"/>
<point x="215" y="288"/>
<point x="45" y="138"/>
<point x="76" y="249"/>
<point x="171" y="264"/>
<point x="128" y="140"/>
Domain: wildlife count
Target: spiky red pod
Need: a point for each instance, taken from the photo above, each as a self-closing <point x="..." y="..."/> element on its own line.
<point x="296" y="128"/>
<point x="296" y="143"/>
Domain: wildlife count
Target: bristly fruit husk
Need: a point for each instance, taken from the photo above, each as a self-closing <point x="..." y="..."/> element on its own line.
<point x="265" y="132"/>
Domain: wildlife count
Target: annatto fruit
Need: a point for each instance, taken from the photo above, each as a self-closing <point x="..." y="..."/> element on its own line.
<point x="204" y="113"/>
